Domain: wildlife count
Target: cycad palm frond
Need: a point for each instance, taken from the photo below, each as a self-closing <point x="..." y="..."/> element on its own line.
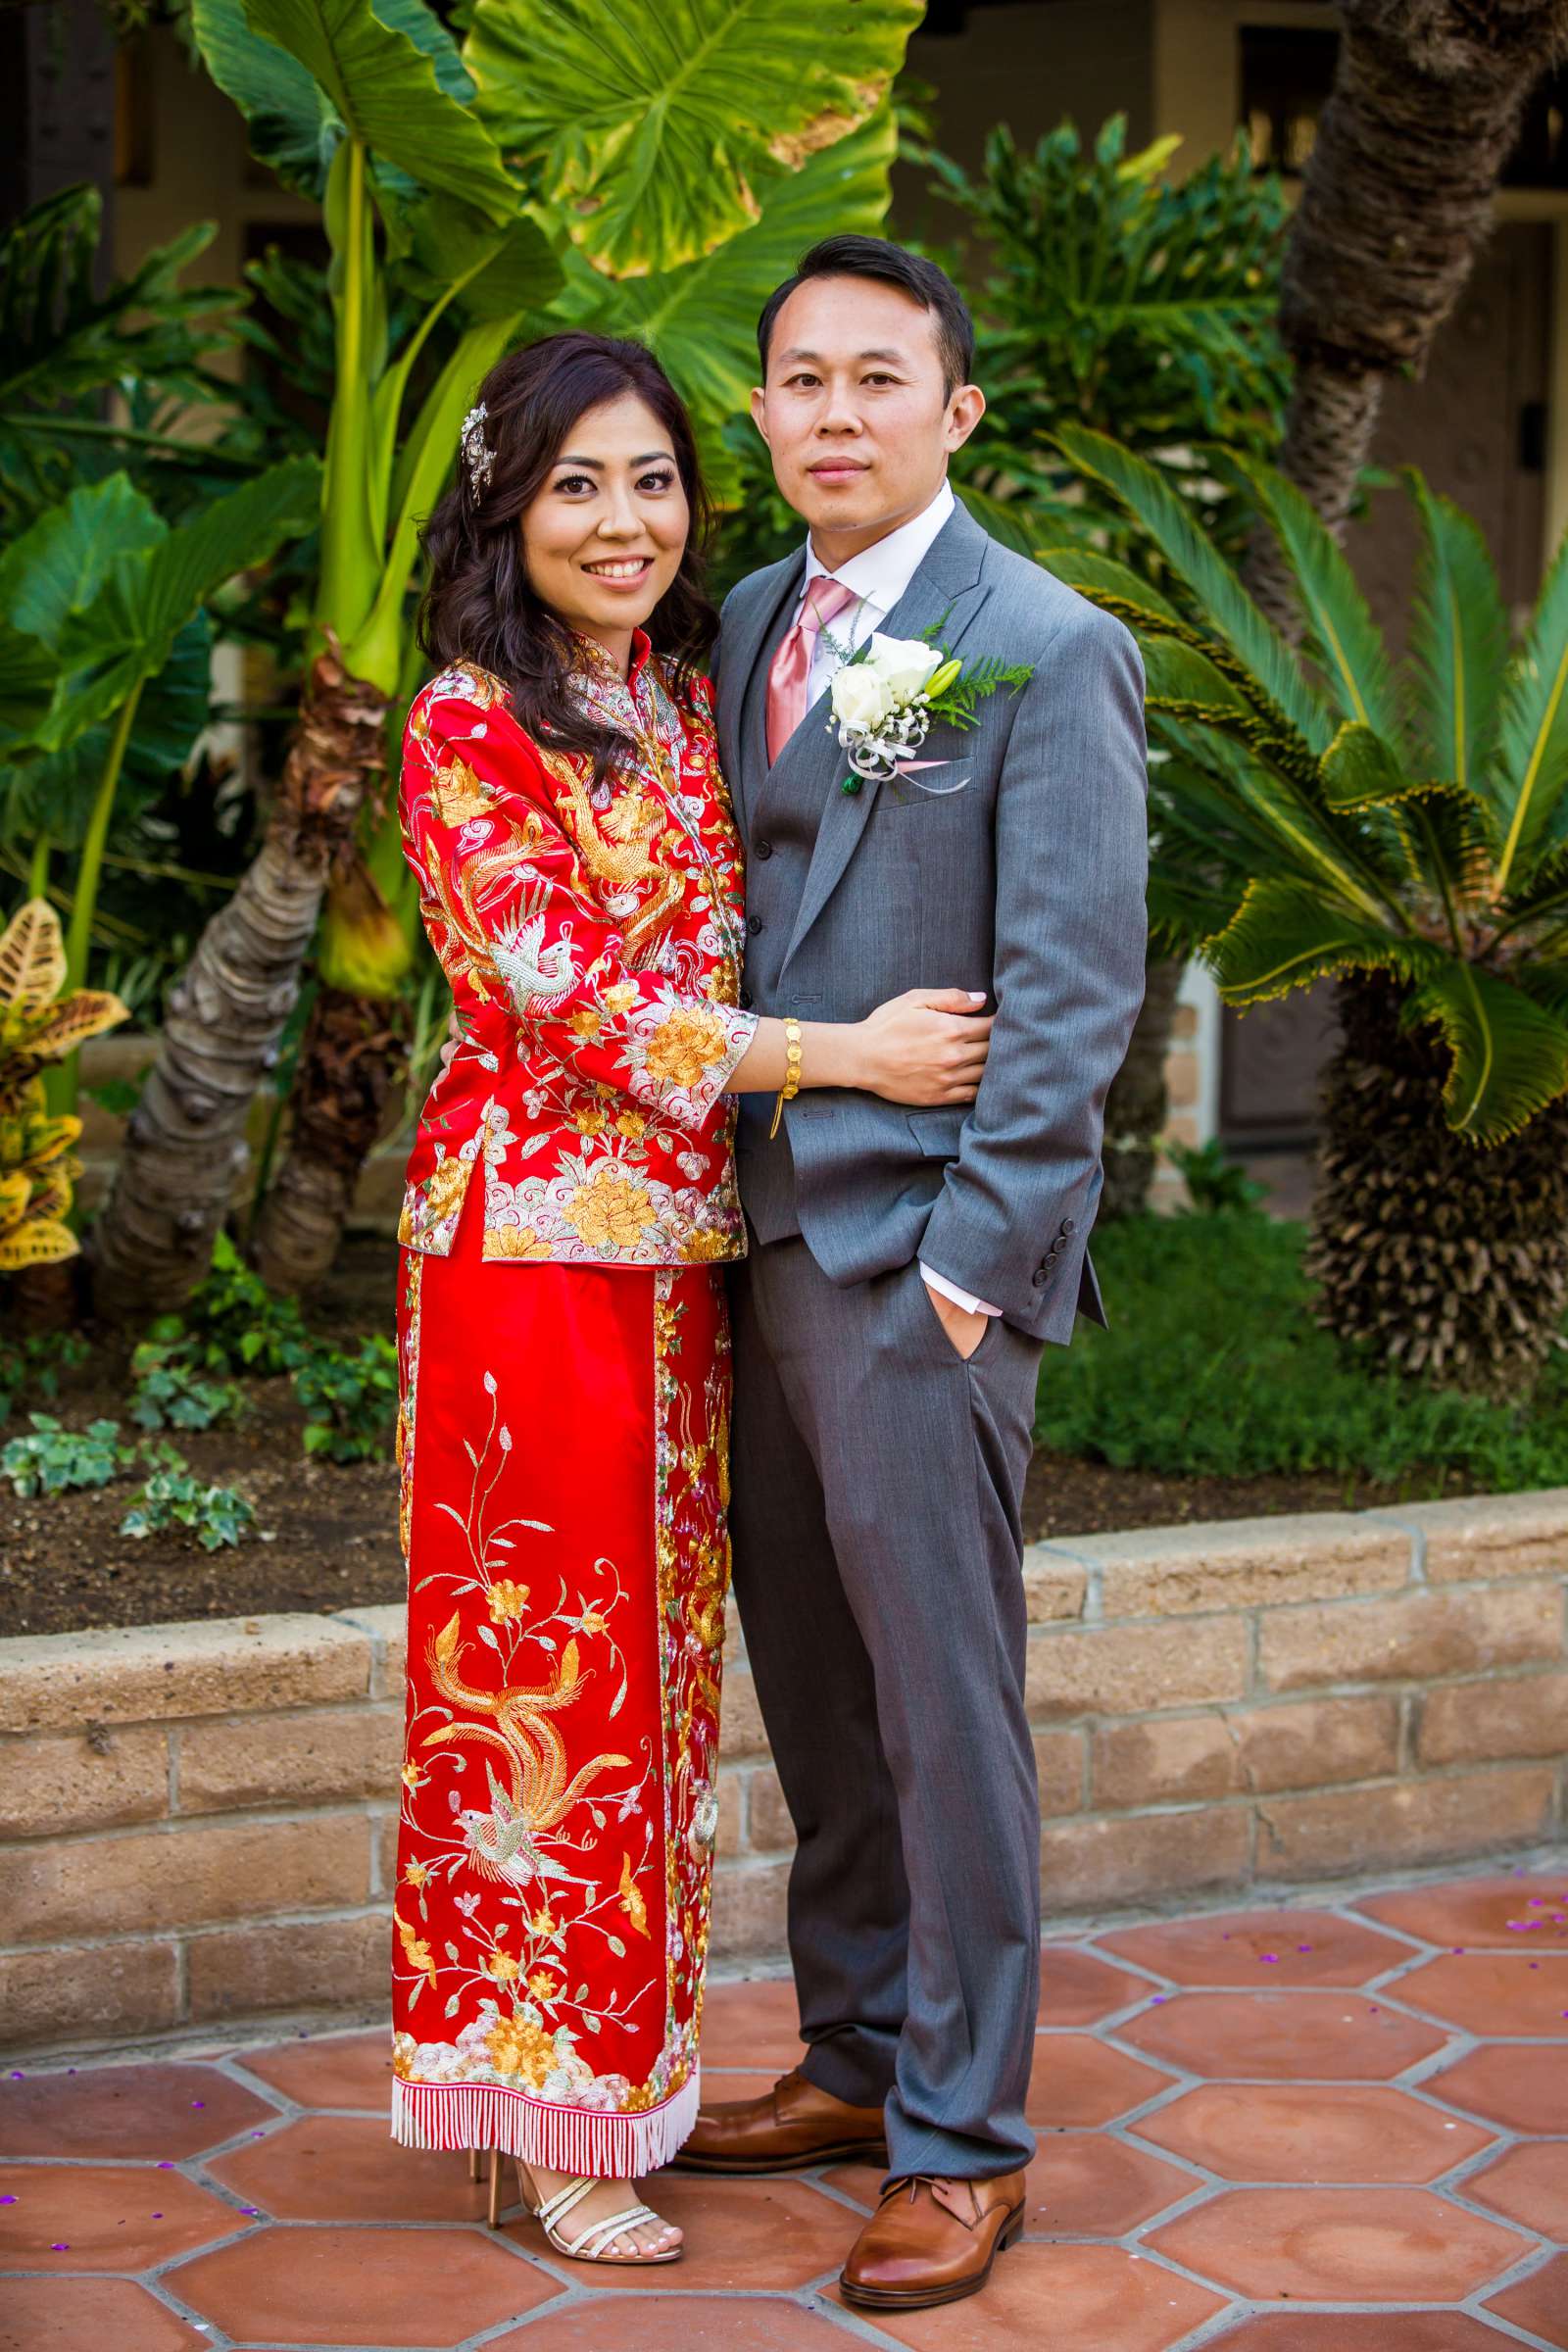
<point x="1422" y="835"/>
<point x="1459" y="641"/>
<point x="1341" y="633"/>
<point x="1527" y="779"/>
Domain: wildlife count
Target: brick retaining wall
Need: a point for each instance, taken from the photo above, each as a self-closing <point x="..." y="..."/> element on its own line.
<point x="199" y="1820"/>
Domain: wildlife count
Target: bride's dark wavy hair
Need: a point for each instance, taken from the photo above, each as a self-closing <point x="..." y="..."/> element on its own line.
<point x="480" y="604"/>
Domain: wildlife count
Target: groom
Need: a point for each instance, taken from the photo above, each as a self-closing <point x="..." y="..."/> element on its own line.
<point x="907" y="1268"/>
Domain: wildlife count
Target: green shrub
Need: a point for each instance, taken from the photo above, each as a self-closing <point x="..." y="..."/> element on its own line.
<point x="170" y="1393"/>
<point x="1215" y="1186"/>
<point x="1214" y="1366"/>
<point x="32" y="1366"/>
<point x="55" y="1460"/>
<point x="350" y="1403"/>
<point x="174" y="1498"/>
<point x="233" y="1323"/>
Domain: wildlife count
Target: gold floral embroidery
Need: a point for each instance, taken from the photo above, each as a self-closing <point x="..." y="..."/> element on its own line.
<point x="685" y="1044"/>
<point x="510" y="1241"/>
<point x="609" y="1212"/>
<point x="592" y="941"/>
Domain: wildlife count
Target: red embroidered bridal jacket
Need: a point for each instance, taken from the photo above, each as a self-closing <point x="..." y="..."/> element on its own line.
<point x="592" y="937"/>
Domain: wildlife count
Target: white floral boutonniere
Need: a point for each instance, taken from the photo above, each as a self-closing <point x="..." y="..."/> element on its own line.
<point x="886" y="696"/>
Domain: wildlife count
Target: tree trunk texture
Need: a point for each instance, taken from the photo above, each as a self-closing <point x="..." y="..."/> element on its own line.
<point x="1395" y="205"/>
<point x="1443" y="1260"/>
<point x="353" y="1061"/>
<point x="185" y="1145"/>
<point x="1137" y="1103"/>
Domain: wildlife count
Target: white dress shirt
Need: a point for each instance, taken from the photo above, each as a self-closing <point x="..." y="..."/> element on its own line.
<point x="879" y="576"/>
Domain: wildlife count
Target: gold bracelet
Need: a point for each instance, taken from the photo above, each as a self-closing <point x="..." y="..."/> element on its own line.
<point x="792" y="1071"/>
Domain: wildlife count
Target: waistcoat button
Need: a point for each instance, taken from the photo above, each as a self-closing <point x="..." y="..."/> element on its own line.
<point x="762" y="848"/>
<point x="754" y="924"/>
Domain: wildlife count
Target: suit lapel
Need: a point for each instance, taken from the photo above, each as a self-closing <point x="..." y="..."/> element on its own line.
<point x="947" y="590"/>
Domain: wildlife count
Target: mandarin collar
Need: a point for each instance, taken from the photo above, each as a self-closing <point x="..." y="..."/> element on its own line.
<point x="602" y="667"/>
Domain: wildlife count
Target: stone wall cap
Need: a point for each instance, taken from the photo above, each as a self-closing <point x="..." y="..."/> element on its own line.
<point x="195" y="1666"/>
<point x="1183" y="1544"/>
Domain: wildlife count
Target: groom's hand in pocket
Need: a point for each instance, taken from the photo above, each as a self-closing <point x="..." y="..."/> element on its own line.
<point x="965" y="1330"/>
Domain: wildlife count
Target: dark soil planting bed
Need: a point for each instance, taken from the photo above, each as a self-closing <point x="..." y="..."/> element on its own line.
<point x="1214" y="1397"/>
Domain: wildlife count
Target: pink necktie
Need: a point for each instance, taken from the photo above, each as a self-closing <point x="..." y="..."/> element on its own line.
<point x="788" y="681"/>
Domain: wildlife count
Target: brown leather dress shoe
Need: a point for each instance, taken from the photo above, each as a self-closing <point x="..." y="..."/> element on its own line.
<point x="788" y="2127"/>
<point x="932" y="2241"/>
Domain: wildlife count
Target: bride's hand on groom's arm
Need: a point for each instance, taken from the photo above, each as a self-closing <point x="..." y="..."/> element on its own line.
<point x="926" y="1047"/>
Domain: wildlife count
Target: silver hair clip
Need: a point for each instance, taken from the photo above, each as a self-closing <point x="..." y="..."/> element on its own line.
<point x="477" y="453"/>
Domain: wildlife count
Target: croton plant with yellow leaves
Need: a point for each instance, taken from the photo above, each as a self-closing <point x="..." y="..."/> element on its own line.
<point x="40" y="1025"/>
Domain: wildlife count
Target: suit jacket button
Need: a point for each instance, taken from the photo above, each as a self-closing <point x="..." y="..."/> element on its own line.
<point x="1038" y="1278"/>
<point x="1067" y="1225"/>
<point x="746" y="1000"/>
<point x="761" y="849"/>
<point x="754" y="924"/>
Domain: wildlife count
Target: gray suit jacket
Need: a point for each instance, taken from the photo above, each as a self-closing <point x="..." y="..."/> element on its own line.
<point x="1027" y="883"/>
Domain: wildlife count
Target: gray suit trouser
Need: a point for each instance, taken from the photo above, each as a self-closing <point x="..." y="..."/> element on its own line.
<point x="876" y="1517"/>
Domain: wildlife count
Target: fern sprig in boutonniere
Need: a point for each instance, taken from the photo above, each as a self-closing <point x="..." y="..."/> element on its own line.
<point x="885" y="698"/>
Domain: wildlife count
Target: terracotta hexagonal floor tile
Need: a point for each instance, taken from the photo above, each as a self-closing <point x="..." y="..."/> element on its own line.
<point x="1539" y="2302"/>
<point x="1365" y="2331"/>
<point x="1508" y="1908"/>
<point x="62" y="2315"/>
<point x="381" y="2287"/>
<point x="764" y="2234"/>
<point x="1283" y="2037"/>
<point x="754" y="2025"/>
<point x="1525" y="2089"/>
<point x="103" y="2217"/>
<point x="1341" y="2245"/>
<point x="1311" y="2131"/>
<point x="347" y="2168"/>
<point x="1527" y="2185"/>
<point x="1264" y="1948"/>
<point x="1086" y="2184"/>
<point x="328" y="2070"/>
<point x="1073" y="2298"/>
<point x="666" y="2322"/>
<point x="1492" y="1993"/>
<point x="1081" y="2185"/>
<point x="1078" y="1990"/>
<point x="1077" y="2079"/>
<point x="169" y="2109"/>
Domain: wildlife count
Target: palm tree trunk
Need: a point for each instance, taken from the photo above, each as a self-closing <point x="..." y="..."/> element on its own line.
<point x="1137" y="1103"/>
<point x="1397" y="203"/>
<point x="353" y="1061"/>
<point x="1438" y="1259"/>
<point x="185" y="1149"/>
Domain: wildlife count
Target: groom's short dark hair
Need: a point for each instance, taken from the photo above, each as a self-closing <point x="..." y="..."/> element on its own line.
<point x="850" y="255"/>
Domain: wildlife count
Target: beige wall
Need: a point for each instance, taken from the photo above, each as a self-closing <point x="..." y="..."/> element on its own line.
<point x="186" y="144"/>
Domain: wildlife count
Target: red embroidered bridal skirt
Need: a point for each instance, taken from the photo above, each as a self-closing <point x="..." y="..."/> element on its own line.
<point x="562" y="1444"/>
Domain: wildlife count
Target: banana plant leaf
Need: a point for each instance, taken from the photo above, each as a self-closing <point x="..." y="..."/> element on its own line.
<point x="658" y="138"/>
<point x="701" y="320"/>
<point x="59" y="340"/>
<point x="112" y="622"/>
<point x="307" y="72"/>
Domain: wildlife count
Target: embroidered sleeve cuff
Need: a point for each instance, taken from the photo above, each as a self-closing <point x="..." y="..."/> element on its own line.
<point x="684" y="1054"/>
<point x="950" y="1289"/>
